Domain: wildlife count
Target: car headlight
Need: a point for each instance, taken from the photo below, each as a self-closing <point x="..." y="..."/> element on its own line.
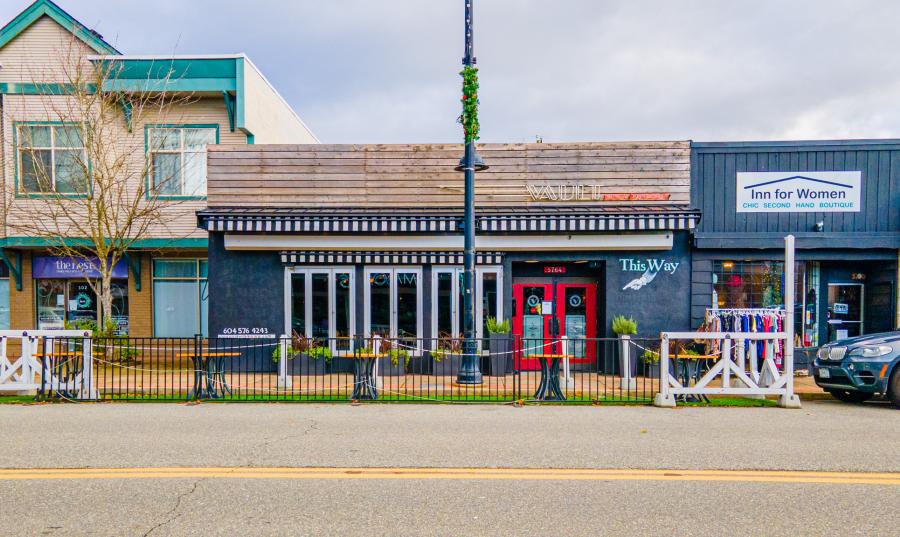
<point x="871" y="351"/>
<point x="823" y="353"/>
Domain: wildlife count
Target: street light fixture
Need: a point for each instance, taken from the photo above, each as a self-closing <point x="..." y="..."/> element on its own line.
<point x="470" y="366"/>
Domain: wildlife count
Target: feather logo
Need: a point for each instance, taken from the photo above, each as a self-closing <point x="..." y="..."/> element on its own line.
<point x="643" y="280"/>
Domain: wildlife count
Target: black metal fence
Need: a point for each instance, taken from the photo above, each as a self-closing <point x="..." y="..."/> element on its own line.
<point x="365" y="369"/>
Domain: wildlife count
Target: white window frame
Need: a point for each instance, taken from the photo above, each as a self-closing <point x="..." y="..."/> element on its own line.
<point x="455" y="272"/>
<point x="183" y="152"/>
<point x="332" y="307"/>
<point x="420" y="291"/>
<point x="53" y="126"/>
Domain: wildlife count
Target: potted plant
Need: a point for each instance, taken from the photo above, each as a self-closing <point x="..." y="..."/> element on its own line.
<point x="446" y="357"/>
<point x="305" y="356"/>
<point x="501" y="346"/>
<point x="625" y="327"/>
<point x="651" y="363"/>
<point x="391" y="361"/>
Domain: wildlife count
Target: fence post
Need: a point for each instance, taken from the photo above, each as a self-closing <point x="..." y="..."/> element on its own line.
<point x="663" y="397"/>
<point x="727" y="361"/>
<point x="284" y="381"/>
<point x="789" y="399"/>
<point x="376" y="350"/>
<point x="567" y="373"/>
<point x="88" y="388"/>
<point x="628" y="382"/>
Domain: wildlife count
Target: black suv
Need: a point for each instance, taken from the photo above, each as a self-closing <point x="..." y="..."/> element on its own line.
<point x="857" y="369"/>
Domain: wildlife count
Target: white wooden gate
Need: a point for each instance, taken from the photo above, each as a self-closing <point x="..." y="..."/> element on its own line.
<point x="35" y="365"/>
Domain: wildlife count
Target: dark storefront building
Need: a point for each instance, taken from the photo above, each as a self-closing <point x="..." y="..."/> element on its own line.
<point x="840" y="199"/>
<point x="343" y="241"/>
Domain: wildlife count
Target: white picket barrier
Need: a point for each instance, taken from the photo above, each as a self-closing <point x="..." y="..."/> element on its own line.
<point x="23" y="375"/>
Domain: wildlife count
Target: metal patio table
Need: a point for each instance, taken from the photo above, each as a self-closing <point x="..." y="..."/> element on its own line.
<point x="549" y="388"/>
<point x="209" y="367"/>
<point x="364" y="377"/>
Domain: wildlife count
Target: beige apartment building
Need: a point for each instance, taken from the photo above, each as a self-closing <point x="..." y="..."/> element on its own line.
<point x="161" y="288"/>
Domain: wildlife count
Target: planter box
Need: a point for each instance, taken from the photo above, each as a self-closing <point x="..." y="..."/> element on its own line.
<point x="387" y="369"/>
<point x="304" y="365"/>
<point x="448" y="365"/>
<point x="500" y="359"/>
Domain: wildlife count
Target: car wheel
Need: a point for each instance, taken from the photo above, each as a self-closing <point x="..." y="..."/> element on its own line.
<point x="850" y="396"/>
<point x="894" y="387"/>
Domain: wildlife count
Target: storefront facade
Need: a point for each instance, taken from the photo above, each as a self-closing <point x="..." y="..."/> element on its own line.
<point x="345" y="241"/>
<point x="840" y="199"/>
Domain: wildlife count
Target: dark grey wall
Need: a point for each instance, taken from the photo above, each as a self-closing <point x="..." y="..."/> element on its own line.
<point x="713" y="182"/>
<point x="246" y="289"/>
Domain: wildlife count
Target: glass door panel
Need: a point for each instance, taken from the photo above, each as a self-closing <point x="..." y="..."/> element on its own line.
<point x="845" y="310"/>
<point x="298" y="305"/>
<point x="82" y="302"/>
<point x="379" y="304"/>
<point x="444" y="305"/>
<point x="343" y="315"/>
<point x="320" y="307"/>
<point x="408" y="308"/>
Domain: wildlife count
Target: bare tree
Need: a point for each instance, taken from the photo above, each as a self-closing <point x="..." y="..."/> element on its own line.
<point x="87" y="184"/>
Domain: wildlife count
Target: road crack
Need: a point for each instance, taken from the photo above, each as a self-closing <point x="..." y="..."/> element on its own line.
<point x="173" y="513"/>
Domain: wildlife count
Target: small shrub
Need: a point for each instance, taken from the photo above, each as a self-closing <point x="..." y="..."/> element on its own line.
<point x="495" y="327"/>
<point x="624" y="326"/>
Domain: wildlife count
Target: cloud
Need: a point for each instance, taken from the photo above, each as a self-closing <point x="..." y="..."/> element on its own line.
<point x="386" y="71"/>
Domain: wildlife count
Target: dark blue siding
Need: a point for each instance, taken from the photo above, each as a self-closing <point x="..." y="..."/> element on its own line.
<point x="715" y="167"/>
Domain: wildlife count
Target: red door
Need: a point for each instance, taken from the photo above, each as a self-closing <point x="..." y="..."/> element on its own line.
<point x="574" y="315"/>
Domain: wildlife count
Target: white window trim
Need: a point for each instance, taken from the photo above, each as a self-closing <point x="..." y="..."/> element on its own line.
<point x="332" y="306"/>
<point x="393" y="270"/>
<point x="182" y="151"/>
<point x="455" y="271"/>
<point x="53" y="149"/>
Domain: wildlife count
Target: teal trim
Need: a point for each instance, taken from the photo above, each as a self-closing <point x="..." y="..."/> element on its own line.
<point x="229" y="107"/>
<point x="41" y="195"/>
<point x="15" y="269"/>
<point x="134" y="263"/>
<point x="147" y="127"/>
<point x="20" y="88"/>
<point x="141" y="244"/>
<point x="127" y="106"/>
<point x="170" y="68"/>
<point x="40" y="8"/>
<point x="239" y="116"/>
<point x="251" y="139"/>
<point x="198" y="84"/>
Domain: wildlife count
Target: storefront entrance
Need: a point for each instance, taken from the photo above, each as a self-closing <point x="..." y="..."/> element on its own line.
<point x="845" y="310"/>
<point x="543" y="312"/>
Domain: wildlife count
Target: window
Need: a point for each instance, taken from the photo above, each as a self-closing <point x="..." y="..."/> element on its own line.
<point x="760" y="284"/>
<point x="394" y="304"/>
<point x="178" y="159"/>
<point x="322" y="305"/>
<point x="447" y="311"/>
<point x="51" y="158"/>
<point x="73" y="301"/>
<point x="180" y="297"/>
<point x="4" y="297"/>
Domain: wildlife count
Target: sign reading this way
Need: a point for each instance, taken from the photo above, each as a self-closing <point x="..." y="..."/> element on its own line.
<point x="798" y="192"/>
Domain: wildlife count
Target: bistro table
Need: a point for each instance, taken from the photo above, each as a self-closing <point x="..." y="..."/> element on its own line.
<point x="549" y="389"/>
<point x="209" y="365"/>
<point x="364" y="376"/>
<point x="687" y="370"/>
<point x="65" y="371"/>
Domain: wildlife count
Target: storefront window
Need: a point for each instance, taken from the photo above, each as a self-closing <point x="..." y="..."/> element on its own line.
<point x="394" y="304"/>
<point x="180" y="297"/>
<point x="760" y="284"/>
<point x="62" y="302"/>
<point x="322" y="306"/>
<point x="447" y="313"/>
<point x="4" y="297"/>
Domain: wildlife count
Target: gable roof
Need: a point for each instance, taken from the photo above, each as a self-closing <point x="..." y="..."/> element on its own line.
<point x="41" y="8"/>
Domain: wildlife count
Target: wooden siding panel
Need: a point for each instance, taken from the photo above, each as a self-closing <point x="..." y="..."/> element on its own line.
<point x="412" y="175"/>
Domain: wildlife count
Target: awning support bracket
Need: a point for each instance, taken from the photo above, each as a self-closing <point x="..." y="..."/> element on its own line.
<point x="229" y="106"/>
<point x="15" y="269"/>
<point x="134" y="264"/>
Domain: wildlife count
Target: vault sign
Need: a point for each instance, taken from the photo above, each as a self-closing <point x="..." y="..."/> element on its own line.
<point x="798" y="192"/>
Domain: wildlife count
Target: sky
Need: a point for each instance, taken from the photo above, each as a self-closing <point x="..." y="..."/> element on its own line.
<point x="386" y="71"/>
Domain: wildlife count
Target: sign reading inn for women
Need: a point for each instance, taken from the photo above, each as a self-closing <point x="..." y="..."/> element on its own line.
<point x="792" y="192"/>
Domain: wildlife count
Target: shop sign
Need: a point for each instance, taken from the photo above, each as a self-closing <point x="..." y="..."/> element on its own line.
<point x="70" y="267"/>
<point x="649" y="268"/>
<point x="798" y="192"/>
<point x="555" y="270"/>
<point x="549" y="191"/>
<point x="841" y="308"/>
<point x="244" y="332"/>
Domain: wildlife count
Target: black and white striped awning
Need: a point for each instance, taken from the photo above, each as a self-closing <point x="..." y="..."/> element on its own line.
<point x="449" y="221"/>
<point x="586" y="223"/>
<point x="387" y="258"/>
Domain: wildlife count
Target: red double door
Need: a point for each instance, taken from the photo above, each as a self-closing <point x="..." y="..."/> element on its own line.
<point x="572" y="313"/>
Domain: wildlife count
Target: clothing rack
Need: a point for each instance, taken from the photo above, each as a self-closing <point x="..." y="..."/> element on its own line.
<point x="750" y="320"/>
<point x="748" y="311"/>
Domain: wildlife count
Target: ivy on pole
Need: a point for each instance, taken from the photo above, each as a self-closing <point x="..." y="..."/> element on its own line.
<point x="469" y="116"/>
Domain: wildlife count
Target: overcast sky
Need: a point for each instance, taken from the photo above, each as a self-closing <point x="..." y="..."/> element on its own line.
<point x="386" y="70"/>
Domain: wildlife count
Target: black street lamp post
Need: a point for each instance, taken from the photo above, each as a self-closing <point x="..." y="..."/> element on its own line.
<point x="470" y="367"/>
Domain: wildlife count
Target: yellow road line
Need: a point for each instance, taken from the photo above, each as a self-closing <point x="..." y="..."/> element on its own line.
<point x="539" y="474"/>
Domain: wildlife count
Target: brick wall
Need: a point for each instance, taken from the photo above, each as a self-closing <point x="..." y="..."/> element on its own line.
<point x="140" y="303"/>
<point x="21" y="303"/>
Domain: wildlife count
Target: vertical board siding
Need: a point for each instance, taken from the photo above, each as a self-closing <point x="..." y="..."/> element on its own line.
<point x="714" y="178"/>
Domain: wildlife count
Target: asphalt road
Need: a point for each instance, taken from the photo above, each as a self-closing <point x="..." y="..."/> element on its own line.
<point x="823" y="436"/>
